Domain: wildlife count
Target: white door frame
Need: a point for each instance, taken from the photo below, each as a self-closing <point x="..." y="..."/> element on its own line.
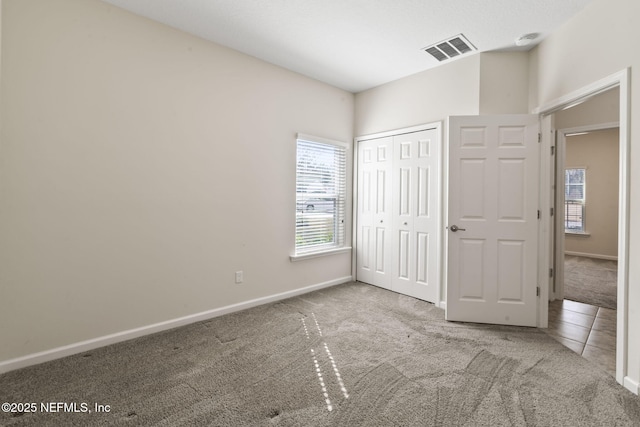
<point x="356" y="140"/>
<point x="621" y="80"/>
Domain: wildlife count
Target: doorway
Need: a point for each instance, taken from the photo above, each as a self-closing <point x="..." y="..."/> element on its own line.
<point x="588" y="172"/>
<point x="583" y="317"/>
<point x="577" y="104"/>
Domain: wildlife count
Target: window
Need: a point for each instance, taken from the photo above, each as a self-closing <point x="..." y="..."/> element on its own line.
<point x="574" y="200"/>
<point x="320" y="194"/>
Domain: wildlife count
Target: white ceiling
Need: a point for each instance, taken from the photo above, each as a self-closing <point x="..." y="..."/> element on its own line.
<point x="356" y="44"/>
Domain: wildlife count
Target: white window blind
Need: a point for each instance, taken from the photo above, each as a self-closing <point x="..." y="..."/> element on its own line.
<point x="574" y="199"/>
<point x="320" y="194"/>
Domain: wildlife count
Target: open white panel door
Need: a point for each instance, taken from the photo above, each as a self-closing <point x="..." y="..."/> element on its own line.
<point x="493" y="193"/>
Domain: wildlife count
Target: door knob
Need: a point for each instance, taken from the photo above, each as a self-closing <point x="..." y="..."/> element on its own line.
<point x="455" y="228"/>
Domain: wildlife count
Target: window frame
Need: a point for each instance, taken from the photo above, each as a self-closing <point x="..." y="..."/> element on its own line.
<point x="338" y="184"/>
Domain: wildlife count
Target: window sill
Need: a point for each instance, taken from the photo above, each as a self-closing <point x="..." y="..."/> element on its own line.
<point x="309" y="255"/>
<point x="577" y="233"/>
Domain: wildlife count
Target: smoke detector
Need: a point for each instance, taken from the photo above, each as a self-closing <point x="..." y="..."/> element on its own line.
<point x="526" y="39"/>
<point x="450" y="48"/>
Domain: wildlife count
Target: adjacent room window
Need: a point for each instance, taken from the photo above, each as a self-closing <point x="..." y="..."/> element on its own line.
<point x="320" y="194"/>
<point x="574" y="200"/>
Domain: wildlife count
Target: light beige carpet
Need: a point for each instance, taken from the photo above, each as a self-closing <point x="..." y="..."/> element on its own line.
<point x="591" y="281"/>
<point x="350" y="355"/>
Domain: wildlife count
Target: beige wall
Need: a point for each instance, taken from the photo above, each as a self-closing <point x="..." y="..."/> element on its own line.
<point x="598" y="153"/>
<point x="504" y="78"/>
<point x="602" y="108"/>
<point x="484" y="83"/>
<point x="140" y="167"/>
<point x="429" y="96"/>
<point x="0" y="70"/>
<point x="598" y="42"/>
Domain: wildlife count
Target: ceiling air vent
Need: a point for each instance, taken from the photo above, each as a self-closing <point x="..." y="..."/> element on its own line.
<point x="447" y="49"/>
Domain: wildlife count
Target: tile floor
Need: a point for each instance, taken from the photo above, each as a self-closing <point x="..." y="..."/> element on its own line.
<point x="586" y="329"/>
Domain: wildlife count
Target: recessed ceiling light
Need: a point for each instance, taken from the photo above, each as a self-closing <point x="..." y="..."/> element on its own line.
<point x="526" y="39"/>
<point x="576" y="133"/>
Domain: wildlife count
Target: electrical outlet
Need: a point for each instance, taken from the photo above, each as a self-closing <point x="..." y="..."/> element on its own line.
<point x="239" y="276"/>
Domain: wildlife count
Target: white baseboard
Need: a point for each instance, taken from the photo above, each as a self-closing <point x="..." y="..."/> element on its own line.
<point x="82" y="346"/>
<point x="631" y="385"/>
<point x="586" y="255"/>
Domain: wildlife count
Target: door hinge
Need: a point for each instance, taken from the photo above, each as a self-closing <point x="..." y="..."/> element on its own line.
<point x="539" y="137"/>
<point x="538" y="213"/>
<point x="538" y="291"/>
<point x="553" y="150"/>
<point x="551" y="272"/>
<point x="551" y="211"/>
